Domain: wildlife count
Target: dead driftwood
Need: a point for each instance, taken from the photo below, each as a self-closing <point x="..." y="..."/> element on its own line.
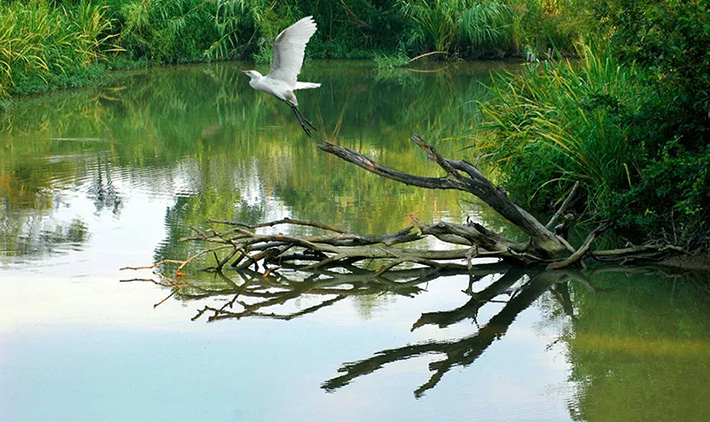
<point x="241" y="246"/>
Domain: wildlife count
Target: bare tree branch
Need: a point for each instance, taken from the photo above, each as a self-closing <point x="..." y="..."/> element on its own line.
<point x="463" y="176"/>
<point x="563" y="207"/>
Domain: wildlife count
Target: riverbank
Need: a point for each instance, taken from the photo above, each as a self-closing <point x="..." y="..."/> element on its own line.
<point x="48" y="45"/>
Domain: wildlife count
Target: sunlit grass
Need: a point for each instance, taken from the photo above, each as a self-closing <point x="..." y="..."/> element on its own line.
<point x="562" y="122"/>
<point x="450" y="25"/>
<point x="39" y="40"/>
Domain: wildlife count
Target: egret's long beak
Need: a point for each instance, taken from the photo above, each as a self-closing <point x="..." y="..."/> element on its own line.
<point x="244" y="71"/>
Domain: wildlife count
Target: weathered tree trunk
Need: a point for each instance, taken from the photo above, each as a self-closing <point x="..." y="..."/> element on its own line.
<point x="338" y="265"/>
<point x="464" y="176"/>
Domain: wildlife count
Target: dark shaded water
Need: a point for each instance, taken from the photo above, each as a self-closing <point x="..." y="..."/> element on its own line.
<point x="93" y="180"/>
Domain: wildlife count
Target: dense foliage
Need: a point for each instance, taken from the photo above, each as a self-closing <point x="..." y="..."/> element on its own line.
<point x="630" y="121"/>
<point x="671" y="40"/>
<point x="48" y="43"/>
<point x="556" y="123"/>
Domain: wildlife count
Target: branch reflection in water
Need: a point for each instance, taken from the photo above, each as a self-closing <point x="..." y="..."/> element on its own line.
<point x="466" y="350"/>
<point x="258" y="294"/>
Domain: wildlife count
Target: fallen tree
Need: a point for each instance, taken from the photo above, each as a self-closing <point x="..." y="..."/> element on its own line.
<point x="242" y="247"/>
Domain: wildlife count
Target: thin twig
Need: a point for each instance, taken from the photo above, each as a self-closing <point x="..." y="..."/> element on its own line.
<point x="282" y="221"/>
<point x="425" y="55"/>
<point x="562" y="207"/>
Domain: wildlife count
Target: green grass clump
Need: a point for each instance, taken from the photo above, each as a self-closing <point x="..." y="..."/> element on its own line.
<point x="561" y="122"/>
<point x="489" y="28"/>
<point x="391" y="61"/>
<point x="600" y="122"/>
<point x="40" y="42"/>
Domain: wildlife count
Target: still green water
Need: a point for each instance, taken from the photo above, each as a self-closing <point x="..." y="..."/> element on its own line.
<point x="96" y="179"/>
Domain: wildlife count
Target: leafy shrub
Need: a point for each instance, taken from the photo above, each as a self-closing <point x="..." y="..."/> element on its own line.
<point x="671" y="40"/>
<point x="672" y="199"/>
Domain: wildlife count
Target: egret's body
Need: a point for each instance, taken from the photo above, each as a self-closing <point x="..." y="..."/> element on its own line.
<point x="289" y="49"/>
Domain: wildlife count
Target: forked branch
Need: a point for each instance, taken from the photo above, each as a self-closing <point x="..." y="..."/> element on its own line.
<point x="463" y="176"/>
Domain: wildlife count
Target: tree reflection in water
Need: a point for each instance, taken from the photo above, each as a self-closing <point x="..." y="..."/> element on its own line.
<point x="256" y="295"/>
<point x="466" y="350"/>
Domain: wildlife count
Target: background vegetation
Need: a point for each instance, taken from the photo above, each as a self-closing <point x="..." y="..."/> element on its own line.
<point x="58" y="43"/>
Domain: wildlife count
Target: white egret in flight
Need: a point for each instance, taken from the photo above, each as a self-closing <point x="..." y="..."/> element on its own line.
<point x="289" y="48"/>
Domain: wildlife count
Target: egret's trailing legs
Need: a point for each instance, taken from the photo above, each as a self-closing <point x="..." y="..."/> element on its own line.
<point x="302" y="119"/>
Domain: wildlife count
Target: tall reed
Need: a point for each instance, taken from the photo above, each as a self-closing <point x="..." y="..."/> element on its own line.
<point x="39" y="40"/>
<point x="487" y="25"/>
<point x="449" y="25"/>
<point x="561" y="122"/>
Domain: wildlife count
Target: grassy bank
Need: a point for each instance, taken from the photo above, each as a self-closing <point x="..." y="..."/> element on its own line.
<point x="47" y="44"/>
<point x="630" y="122"/>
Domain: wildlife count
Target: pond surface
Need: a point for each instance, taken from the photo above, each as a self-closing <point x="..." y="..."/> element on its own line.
<point x="97" y="179"/>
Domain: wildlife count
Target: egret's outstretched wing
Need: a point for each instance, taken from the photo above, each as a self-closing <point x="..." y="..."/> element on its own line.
<point x="289" y="48"/>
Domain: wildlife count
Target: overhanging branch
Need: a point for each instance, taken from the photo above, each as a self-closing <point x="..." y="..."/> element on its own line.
<point x="463" y="176"/>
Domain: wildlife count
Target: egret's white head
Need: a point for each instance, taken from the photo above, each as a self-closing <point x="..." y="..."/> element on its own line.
<point x="252" y="74"/>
